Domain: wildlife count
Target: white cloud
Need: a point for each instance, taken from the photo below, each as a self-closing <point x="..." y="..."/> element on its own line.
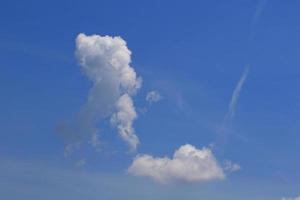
<point x="124" y="118"/>
<point x="153" y="96"/>
<point x="235" y="95"/>
<point x="295" y="198"/>
<point x="105" y="60"/>
<point x="188" y="164"/>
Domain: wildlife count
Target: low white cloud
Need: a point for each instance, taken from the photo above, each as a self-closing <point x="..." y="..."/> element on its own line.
<point x="295" y="198"/>
<point x="105" y="61"/>
<point x="188" y="164"/>
<point x="153" y="96"/>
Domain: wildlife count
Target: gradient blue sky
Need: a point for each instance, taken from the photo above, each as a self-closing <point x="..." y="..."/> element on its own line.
<point x="193" y="53"/>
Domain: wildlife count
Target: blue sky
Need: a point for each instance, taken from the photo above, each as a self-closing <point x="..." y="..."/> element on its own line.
<point x="193" y="54"/>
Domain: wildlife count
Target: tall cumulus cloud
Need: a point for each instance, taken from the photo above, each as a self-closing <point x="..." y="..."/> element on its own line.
<point x="105" y="61"/>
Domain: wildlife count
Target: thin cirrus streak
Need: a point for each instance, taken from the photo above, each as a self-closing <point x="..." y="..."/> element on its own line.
<point x="258" y="12"/>
<point x="235" y="96"/>
<point x="256" y="17"/>
<point x="223" y="131"/>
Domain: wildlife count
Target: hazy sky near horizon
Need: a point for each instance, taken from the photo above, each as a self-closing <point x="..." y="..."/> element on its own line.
<point x="150" y="100"/>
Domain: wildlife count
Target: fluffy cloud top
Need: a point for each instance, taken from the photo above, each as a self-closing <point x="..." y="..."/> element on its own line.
<point x="107" y="58"/>
<point x="188" y="164"/>
<point x="153" y="96"/>
<point x="105" y="61"/>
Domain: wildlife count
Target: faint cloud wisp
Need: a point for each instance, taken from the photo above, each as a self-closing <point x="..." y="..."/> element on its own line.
<point x="235" y="96"/>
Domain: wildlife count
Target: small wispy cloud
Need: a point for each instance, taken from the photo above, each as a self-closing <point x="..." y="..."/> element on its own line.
<point x="230" y="166"/>
<point x="80" y="163"/>
<point x="153" y="96"/>
<point x="235" y="96"/>
<point x="95" y="142"/>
